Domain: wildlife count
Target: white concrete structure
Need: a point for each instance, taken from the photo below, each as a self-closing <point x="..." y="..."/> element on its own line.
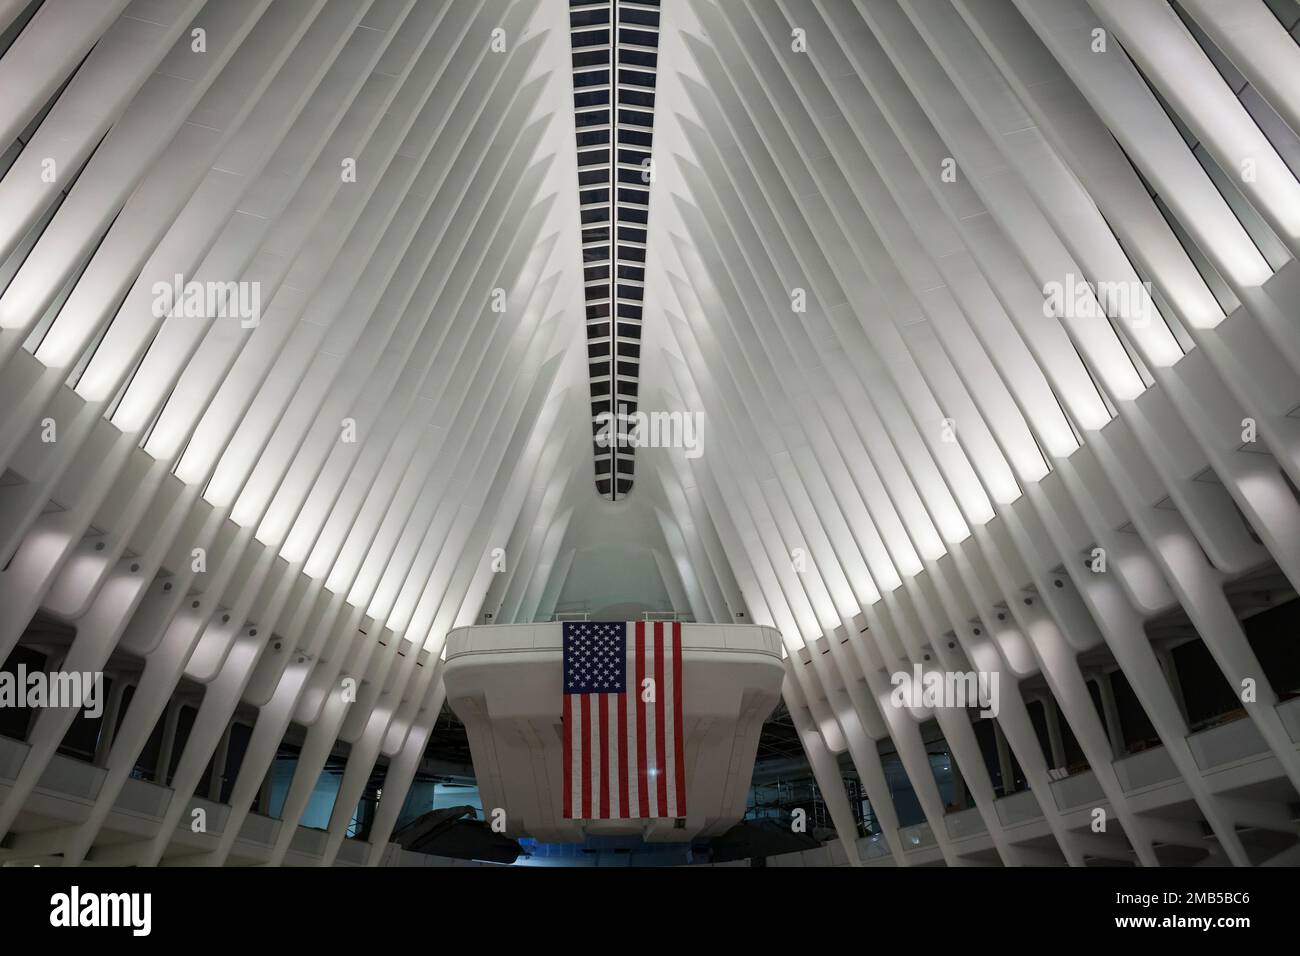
<point x="988" y="312"/>
<point x="505" y="683"/>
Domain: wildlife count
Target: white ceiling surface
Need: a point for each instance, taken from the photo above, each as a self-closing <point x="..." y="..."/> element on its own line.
<point x="825" y="446"/>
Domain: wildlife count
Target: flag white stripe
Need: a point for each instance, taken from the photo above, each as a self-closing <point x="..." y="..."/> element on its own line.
<point x="671" y="751"/>
<point x="651" y="750"/>
<point x="633" y="695"/>
<point x="592" y="703"/>
<point x="611" y="750"/>
<point x="575" y="767"/>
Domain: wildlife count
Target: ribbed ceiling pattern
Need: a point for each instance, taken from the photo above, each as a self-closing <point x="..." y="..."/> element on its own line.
<point x="291" y="487"/>
<point x="891" y="252"/>
<point x="965" y="294"/>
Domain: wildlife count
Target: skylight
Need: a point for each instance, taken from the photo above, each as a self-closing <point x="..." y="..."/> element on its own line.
<point x="615" y="56"/>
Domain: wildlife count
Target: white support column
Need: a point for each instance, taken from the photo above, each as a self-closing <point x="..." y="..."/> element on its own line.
<point x="219" y="766"/>
<point x="1004" y="761"/>
<point x="108" y="728"/>
<point x="171" y="719"/>
<point x="1110" y="711"/>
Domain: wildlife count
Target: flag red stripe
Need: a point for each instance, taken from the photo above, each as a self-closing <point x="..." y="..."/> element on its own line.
<point x="623" y="807"/>
<point x="661" y="725"/>
<point x="602" y="702"/>
<point x="586" y="756"/>
<point x="643" y="782"/>
<point x="679" y="729"/>
<point x="568" y="755"/>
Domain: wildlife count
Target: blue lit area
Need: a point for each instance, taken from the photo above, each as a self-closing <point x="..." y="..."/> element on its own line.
<point x="609" y="851"/>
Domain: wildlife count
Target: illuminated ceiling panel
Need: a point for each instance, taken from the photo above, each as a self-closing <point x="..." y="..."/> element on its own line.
<point x="615" y="58"/>
<point x="983" y="314"/>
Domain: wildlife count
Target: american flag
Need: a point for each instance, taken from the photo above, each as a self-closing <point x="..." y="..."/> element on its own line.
<point x="623" y="721"/>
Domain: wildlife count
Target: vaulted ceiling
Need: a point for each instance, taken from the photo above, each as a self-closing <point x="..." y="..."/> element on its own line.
<point x="957" y="296"/>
